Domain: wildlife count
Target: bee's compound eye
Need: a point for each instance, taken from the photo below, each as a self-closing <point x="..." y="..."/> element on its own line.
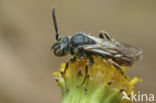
<point x="55" y="46"/>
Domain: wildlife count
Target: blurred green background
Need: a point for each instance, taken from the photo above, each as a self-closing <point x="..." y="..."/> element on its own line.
<point x="27" y="33"/>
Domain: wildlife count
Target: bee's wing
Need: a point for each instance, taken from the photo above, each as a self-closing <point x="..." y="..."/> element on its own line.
<point x="115" y="47"/>
<point x="97" y="49"/>
<point x="129" y="51"/>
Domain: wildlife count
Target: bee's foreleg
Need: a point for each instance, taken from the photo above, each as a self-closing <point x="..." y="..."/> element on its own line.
<point x="104" y="34"/>
<point x="67" y="64"/>
<point x="65" y="69"/>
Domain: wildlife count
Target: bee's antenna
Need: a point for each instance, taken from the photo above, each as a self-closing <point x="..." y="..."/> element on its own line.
<point x="55" y="23"/>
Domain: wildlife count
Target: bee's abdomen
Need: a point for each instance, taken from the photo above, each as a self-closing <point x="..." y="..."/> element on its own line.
<point x="80" y="39"/>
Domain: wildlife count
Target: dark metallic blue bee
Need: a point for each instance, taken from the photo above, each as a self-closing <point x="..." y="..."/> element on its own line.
<point x="83" y="46"/>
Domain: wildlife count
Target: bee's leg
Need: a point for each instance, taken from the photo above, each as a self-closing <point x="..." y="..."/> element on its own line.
<point x="67" y="64"/>
<point x="71" y="51"/>
<point x="72" y="60"/>
<point x="65" y="69"/>
<point x="104" y="34"/>
<point x="126" y="61"/>
<point x="117" y="66"/>
<point x="86" y="74"/>
<point x="91" y="63"/>
<point x="101" y="35"/>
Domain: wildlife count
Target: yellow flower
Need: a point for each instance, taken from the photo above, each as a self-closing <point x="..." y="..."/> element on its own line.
<point x="104" y="85"/>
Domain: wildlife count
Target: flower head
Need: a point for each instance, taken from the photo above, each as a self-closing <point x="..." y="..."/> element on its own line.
<point x="105" y="83"/>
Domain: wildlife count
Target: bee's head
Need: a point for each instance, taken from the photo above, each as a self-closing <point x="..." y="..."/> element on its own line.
<point x="61" y="47"/>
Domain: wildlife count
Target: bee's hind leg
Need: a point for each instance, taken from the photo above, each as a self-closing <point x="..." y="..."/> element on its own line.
<point x="117" y="66"/>
<point x="104" y="34"/>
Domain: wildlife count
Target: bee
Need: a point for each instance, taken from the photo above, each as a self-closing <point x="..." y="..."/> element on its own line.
<point x="83" y="46"/>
